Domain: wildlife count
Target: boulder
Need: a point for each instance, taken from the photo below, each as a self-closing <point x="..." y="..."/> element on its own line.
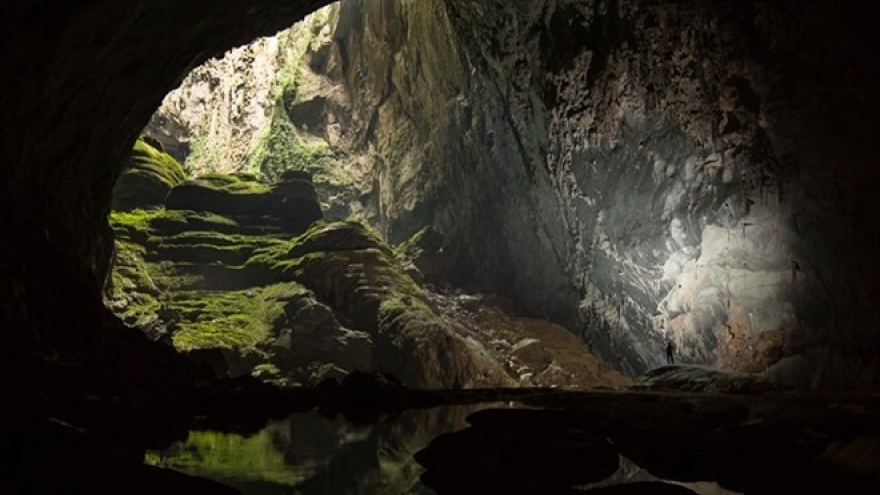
<point x="338" y="236"/>
<point x="533" y="354"/>
<point x="292" y="203"/>
<point x="223" y="195"/>
<point x="146" y="178"/>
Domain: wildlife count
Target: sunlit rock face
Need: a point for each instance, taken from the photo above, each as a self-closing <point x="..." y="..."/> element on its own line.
<point x="694" y="171"/>
<point x="275" y="104"/>
<point x="210" y="110"/>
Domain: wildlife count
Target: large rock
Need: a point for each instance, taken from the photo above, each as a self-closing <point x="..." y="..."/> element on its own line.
<point x="531" y="353"/>
<point x="293" y="202"/>
<point x="346" y="264"/>
<point x="147" y="177"/>
<point x="290" y="310"/>
<point x="313" y="335"/>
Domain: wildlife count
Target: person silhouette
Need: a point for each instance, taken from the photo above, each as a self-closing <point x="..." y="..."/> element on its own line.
<point x="670" y="352"/>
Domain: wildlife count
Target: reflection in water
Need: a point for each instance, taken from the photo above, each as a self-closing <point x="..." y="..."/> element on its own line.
<point x="310" y="454"/>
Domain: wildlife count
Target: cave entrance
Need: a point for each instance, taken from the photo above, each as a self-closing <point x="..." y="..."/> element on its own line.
<point x="242" y="158"/>
<point x="249" y="231"/>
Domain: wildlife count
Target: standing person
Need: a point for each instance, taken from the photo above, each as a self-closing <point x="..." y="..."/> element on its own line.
<point x="670" y="352"/>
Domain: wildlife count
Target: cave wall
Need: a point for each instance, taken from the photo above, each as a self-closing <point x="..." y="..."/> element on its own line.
<point x="82" y="79"/>
<point x="639" y="170"/>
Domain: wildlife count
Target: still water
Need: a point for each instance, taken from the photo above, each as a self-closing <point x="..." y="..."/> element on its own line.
<point x="308" y="454"/>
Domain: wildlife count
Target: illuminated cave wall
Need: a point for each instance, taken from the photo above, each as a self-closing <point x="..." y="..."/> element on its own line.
<point x="640" y="171"/>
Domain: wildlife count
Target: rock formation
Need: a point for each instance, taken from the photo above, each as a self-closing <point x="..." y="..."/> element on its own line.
<point x="638" y="172"/>
<point x="248" y="274"/>
<point x="635" y="172"/>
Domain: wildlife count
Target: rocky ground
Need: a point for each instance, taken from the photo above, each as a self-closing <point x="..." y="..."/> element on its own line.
<point x="535" y="352"/>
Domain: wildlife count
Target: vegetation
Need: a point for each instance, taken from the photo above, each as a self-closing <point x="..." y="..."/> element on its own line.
<point x="148" y="159"/>
<point x="284" y="149"/>
<point x="134" y="223"/>
<point x="144" y="279"/>
<point x="171" y="222"/>
<point x="412" y="247"/>
<point x="235" y="320"/>
<point x="132" y="291"/>
<point x="233" y="183"/>
<point x="148" y="176"/>
<point x="208" y="282"/>
<point x="201" y="153"/>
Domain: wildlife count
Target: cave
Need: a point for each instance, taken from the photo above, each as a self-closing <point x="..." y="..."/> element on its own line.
<point x="633" y="173"/>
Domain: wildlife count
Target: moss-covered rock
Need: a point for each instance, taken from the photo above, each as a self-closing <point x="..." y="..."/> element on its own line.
<point x="338" y="235"/>
<point x="147" y="177"/>
<point x="186" y="277"/>
<point x="233" y="320"/>
<point x="292" y="204"/>
<point x="353" y="271"/>
<point x="290" y="309"/>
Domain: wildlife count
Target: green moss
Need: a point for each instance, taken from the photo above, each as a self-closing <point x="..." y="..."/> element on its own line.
<point x="284" y="149"/>
<point x="334" y="235"/>
<point x="132" y="291"/>
<point x="237" y="242"/>
<point x="411" y="248"/>
<point x="233" y="183"/>
<point x="202" y="155"/>
<point x="135" y="222"/>
<point x="203" y="253"/>
<point x="147" y="177"/>
<point x="148" y="159"/>
<point x="235" y="320"/>
<point x="270" y="257"/>
<point x="326" y="239"/>
<point x="172" y="222"/>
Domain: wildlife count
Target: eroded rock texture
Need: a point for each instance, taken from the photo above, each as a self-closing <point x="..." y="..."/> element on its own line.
<point x="640" y="171"/>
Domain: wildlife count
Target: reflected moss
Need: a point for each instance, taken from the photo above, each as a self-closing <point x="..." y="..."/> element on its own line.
<point x="231" y="456"/>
